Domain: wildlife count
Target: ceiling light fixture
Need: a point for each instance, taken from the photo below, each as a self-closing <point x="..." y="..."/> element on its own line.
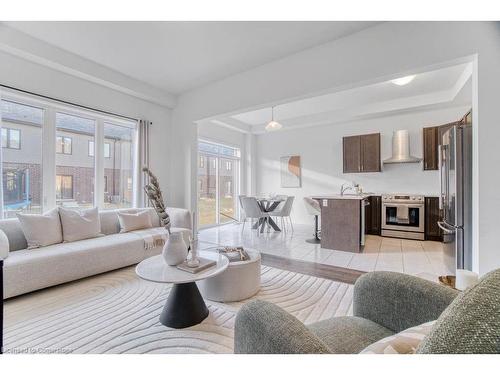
<point x="403" y="80"/>
<point x="273" y="125"/>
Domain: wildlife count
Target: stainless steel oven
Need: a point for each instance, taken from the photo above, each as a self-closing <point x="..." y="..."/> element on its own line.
<point x="403" y="216"/>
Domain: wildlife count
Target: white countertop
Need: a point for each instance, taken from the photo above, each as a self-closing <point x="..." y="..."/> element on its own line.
<point x="345" y="196"/>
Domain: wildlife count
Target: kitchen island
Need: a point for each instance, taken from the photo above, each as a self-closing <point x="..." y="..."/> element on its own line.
<point x="342" y="221"/>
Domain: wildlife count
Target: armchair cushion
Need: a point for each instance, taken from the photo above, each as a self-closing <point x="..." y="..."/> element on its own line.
<point x="398" y="301"/>
<point x="471" y="324"/>
<point x="348" y="334"/>
<point x="262" y="327"/>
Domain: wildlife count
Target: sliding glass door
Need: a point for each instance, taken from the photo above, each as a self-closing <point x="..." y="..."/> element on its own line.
<point x="218" y="183"/>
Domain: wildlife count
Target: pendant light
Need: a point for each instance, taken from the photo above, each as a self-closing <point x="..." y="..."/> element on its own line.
<point x="273" y="125"/>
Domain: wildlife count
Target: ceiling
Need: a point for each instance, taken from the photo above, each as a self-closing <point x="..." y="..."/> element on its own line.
<point x="450" y="86"/>
<point x="179" y="56"/>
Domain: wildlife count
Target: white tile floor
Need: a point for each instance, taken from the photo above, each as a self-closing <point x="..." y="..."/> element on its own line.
<point x="420" y="258"/>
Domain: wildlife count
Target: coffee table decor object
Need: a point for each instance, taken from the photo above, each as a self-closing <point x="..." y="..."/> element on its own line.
<point x="203" y="264"/>
<point x="184" y="306"/>
<point x="175" y="250"/>
<point x="234" y="254"/>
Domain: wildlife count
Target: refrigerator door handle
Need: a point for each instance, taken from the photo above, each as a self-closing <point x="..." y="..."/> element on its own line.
<point x="443" y="226"/>
<point x="440" y="163"/>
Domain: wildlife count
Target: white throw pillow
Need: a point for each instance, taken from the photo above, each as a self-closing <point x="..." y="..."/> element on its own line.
<point x="41" y="230"/>
<point x="130" y="222"/>
<point x="80" y="224"/>
<point x="404" y="342"/>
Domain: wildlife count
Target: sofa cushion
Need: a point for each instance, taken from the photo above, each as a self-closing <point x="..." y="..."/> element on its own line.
<point x="404" y="342"/>
<point x="111" y="225"/>
<point x="134" y="221"/>
<point x="56" y="264"/>
<point x="348" y="334"/>
<point x="41" y="230"/>
<point x="12" y="228"/>
<point x="78" y="224"/>
<point x="471" y="323"/>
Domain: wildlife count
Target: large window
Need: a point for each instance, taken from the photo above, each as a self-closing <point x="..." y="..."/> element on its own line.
<point x="75" y="170"/>
<point x="21" y="166"/>
<point x="118" y="165"/>
<point x="61" y="141"/>
<point x="218" y="183"/>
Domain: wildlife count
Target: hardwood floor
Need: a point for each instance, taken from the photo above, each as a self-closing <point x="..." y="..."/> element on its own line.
<point x="325" y="271"/>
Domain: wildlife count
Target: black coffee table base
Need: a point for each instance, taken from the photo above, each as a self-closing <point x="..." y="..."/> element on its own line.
<point x="184" y="307"/>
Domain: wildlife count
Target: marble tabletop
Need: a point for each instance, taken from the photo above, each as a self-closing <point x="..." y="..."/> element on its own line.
<point x="155" y="269"/>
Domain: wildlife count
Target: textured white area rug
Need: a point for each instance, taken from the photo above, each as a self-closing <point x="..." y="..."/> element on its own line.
<point x="118" y="313"/>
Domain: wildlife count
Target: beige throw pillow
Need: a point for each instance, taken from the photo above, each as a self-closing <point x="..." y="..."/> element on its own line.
<point x="80" y="224"/>
<point x="404" y="342"/>
<point x="41" y="230"/>
<point x="130" y="222"/>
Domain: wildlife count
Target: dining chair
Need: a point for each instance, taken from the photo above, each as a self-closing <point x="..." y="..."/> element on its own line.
<point x="252" y="210"/>
<point x="242" y="216"/>
<point x="284" y="211"/>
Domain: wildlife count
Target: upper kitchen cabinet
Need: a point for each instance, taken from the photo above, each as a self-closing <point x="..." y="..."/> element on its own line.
<point x="361" y="153"/>
<point x="432" y="139"/>
<point x="431" y="142"/>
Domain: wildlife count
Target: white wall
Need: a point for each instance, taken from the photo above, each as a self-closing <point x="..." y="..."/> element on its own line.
<point x="385" y="51"/>
<point x="26" y="75"/>
<point x="320" y="149"/>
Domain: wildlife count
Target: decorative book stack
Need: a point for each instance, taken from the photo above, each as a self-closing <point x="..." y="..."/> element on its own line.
<point x="203" y="265"/>
<point x="234" y="254"/>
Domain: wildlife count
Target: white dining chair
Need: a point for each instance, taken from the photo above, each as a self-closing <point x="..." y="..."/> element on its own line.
<point x="313" y="208"/>
<point x="283" y="211"/>
<point x="242" y="216"/>
<point x="252" y="211"/>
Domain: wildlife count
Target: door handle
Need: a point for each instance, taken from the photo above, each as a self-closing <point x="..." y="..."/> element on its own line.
<point x="441" y="224"/>
<point x="440" y="161"/>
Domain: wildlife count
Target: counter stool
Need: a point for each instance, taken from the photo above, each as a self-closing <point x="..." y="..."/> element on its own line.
<point x="313" y="208"/>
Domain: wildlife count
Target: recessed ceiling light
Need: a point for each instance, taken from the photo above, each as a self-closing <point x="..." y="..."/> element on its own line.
<point x="273" y="125"/>
<point x="403" y="80"/>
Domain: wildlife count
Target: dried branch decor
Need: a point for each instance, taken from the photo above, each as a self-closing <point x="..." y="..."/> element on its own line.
<point x="155" y="197"/>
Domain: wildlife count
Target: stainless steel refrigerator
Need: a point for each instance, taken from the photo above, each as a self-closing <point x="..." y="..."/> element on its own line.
<point x="455" y="168"/>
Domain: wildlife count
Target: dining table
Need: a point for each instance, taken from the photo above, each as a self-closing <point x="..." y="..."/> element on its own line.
<point x="267" y="205"/>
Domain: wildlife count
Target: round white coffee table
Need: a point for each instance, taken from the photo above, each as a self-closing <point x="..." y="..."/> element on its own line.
<point x="185" y="306"/>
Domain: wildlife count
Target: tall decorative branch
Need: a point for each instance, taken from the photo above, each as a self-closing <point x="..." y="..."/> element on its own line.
<point x="155" y="197"/>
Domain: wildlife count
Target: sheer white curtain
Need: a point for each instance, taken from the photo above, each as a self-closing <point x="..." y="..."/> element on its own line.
<point x="142" y="160"/>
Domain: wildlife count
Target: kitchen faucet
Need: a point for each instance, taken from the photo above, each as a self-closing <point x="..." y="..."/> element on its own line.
<point x="344" y="189"/>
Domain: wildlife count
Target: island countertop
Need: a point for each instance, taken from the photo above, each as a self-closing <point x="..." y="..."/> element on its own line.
<point x="345" y="196"/>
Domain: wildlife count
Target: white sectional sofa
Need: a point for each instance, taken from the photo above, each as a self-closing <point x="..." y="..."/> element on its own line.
<point x="28" y="270"/>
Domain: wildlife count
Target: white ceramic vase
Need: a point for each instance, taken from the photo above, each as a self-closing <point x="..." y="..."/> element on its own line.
<point x="175" y="250"/>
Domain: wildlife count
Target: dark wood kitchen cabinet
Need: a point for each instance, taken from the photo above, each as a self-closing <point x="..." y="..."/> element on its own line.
<point x="373" y="215"/>
<point x="361" y="153"/>
<point x="432" y="216"/>
<point x="432" y="139"/>
<point x="431" y="142"/>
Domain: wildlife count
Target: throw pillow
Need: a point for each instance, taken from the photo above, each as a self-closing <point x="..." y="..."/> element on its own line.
<point x="130" y="222"/>
<point x="41" y="230"/>
<point x="80" y="224"/>
<point x="404" y="342"/>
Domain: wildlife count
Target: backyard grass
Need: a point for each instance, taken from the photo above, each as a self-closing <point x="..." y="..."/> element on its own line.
<point x="207" y="214"/>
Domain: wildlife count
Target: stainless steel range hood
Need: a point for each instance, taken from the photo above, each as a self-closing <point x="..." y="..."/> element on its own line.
<point x="401" y="149"/>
